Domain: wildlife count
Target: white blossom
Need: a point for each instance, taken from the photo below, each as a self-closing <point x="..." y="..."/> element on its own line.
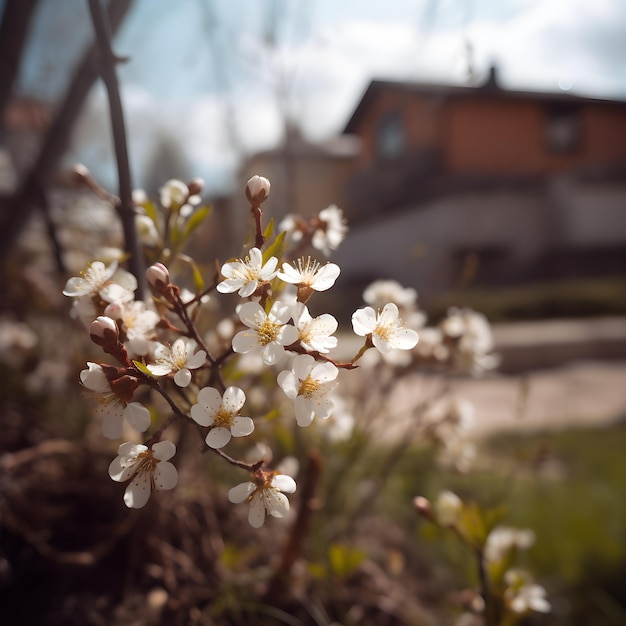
<point x="111" y="408"/>
<point x="378" y="293"/>
<point x="91" y="280"/>
<point x="222" y="414"/>
<point x="138" y="323"/>
<point x="522" y="595"/>
<point x="331" y="231"/>
<point x="474" y="340"/>
<point x="264" y="496"/>
<point x="147" y="469"/>
<point x="309" y="384"/>
<point x="385" y="328"/>
<point x="179" y="359"/>
<point x="447" y="508"/>
<point x="267" y="332"/>
<point x="111" y="283"/>
<point x="244" y="276"/>
<point x="314" y="334"/>
<point x="504" y="539"/>
<point x="310" y="274"/>
<point x="173" y="194"/>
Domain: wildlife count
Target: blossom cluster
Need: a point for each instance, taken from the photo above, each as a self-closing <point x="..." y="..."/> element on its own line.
<point x="161" y="347"/>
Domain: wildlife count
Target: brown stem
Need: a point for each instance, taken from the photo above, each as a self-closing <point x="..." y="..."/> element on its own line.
<point x="258" y="215"/>
<point x="300" y="529"/>
<point x="126" y="207"/>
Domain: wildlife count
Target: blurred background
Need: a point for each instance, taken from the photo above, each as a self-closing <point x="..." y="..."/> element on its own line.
<point x="477" y="149"/>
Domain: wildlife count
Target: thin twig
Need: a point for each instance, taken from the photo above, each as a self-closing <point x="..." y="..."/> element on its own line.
<point x="125" y="207"/>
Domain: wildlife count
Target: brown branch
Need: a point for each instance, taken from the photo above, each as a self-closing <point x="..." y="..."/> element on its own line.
<point x="300" y="529"/>
<point x="17" y="209"/>
<point x="126" y="207"/>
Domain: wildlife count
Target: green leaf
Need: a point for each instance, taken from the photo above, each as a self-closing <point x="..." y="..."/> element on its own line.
<point x="276" y="249"/>
<point x="142" y="367"/>
<point x="269" y="230"/>
<point x="195" y="220"/>
<point x="344" y="560"/>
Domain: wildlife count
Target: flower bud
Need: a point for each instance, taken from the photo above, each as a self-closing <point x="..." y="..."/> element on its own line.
<point x="195" y="186"/>
<point x="158" y="276"/>
<point x="102" y="327"/>
<point x="423" y="507"/>
<point x="257" y="190"/>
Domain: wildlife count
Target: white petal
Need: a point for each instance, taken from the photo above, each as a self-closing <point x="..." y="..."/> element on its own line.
<point x="94" y="378"/>
<point x="245" y="341"/>
<point x="235" y="268"/>
<point x="211" y="399"/>
<point x="325" y="324"/>
<point x="240" y="492"/>
<point x="119" y="471"/>
<point x="382" y="345"/>
<point x="256" y="258"/>
<point x="404" y="338"/>
<point x="229" y="285"/>
<point x="326" y="277"/>
<point x="364" y="321"/>
<point x="163" y="450"/>
<point x="290" y="274"/>
<point x="76" y="286"/>
<point x="303" y="364"/>
<point x="201" y="416"/>
<point x="287" y="335"/>
<point x="242" y="426"/>
<point x="234" y="399"/>
<point x="289" y="384"/>
<point x="138" y="491"/>
<point x="182" y="377"/>
<point x="284" y="483"/>
<point x="272" y="353"/>
<point x="388" y="315"/>
<point x="137" y="416"/>
<point x="165" y="476"/>
<point x="324" y="372"/>
<point x="304" y="413"/>
<point x="280" y="312"/>
<point x="248" y="288"/>
<point x="268" y="270"/>
<point x="277" y="503"/>
<point x="218" y="437"/>
<point x="256" y="515"/>
<point x="252" y="314"/>
<point x="160" y="370"/>
<point x="197" y="360"/>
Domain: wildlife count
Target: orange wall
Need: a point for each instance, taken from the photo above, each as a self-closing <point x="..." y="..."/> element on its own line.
<point x="509" y="137"/>
<point x="492" y="135"/>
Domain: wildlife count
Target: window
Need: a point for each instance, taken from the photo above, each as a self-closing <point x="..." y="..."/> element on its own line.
<point x="562" y="129"/>
<point x="390" y="138"/>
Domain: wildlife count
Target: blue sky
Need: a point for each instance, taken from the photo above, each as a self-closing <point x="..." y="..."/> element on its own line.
<point x="208" y="72"/>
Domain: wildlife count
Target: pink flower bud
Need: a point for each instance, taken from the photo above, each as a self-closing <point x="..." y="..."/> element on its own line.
<point x="423" y="507"/>
<point x="103" y="326"/>
<point x="257" y="190"/>
<point x="158" y="276"/>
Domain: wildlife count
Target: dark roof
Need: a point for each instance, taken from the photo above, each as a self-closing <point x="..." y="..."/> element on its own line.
<point x="490" y="87"/>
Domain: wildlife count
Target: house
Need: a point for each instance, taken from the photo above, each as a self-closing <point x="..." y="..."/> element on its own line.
<point x="531" y="186"/>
